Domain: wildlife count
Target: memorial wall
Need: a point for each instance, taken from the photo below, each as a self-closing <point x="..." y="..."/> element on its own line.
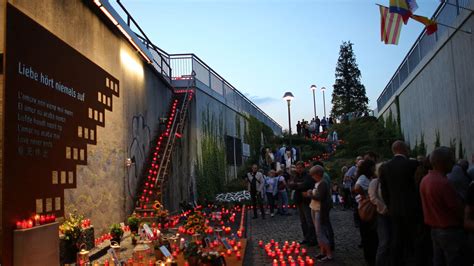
<point x="78" y="101"/>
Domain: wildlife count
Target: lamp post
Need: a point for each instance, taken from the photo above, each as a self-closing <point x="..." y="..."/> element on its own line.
<point x="288" y="97"/>
<point x="323" y="89"/>
<point x="313" y="88"/>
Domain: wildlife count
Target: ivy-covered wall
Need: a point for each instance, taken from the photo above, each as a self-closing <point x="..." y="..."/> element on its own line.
<point x="211" y="163"/>
<point x="214" y="121"/>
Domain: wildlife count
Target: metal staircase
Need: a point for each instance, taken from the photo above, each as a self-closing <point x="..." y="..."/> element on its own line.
<point x="159" y="163"/>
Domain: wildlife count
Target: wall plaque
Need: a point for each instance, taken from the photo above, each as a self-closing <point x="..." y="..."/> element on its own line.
<point x="55" y="98"/>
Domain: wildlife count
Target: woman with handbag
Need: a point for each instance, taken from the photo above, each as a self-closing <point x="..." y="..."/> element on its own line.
<point x="368" y="230"/>
<point x="383" y="220"/>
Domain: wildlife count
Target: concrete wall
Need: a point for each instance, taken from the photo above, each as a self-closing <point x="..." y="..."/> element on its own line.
<point x="438" y="96"/>
<point x="105" y="186"/>
<point x="229" y="122"/>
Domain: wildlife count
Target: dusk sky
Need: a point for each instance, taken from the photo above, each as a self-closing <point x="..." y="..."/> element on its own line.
<point x="267" y="47"/>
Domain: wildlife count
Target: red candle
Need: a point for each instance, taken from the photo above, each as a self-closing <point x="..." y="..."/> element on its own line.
<point x="239" y="245"/>
<point x="275" y="262"/>
<point x="239" y="256"/>
<point x="310" y="262"/>
<point x="18" y="225"/>
<point x="229" y="252"/>
<point x="303" y="252"/>
<point x="260" y="243"/>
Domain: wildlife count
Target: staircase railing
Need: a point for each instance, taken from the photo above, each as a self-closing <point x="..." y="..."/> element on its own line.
<point x="175" y="128"/>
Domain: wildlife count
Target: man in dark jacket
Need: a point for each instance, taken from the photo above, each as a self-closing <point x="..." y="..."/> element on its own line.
<point x="402" y="200"/>
<point x="301" y="183"/>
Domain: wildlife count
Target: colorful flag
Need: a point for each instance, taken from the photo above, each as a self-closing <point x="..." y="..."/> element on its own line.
<point x="401" y="7"/>
<point x="391" y="25"/>
<point x="430" y="25"/>
<point x="413" y="5"/>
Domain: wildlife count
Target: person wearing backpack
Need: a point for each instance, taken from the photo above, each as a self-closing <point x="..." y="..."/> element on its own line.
<point x="256" y="187"/>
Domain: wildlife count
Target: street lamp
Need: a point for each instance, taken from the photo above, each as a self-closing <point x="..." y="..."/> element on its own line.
<point x="313" y="88"/>
<point x="288" y="97"/>
<point x="323" y="89"/>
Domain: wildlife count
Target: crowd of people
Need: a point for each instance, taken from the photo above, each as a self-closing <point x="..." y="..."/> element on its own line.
<point x="408" y="211"/>
<point x="314" y="127"/>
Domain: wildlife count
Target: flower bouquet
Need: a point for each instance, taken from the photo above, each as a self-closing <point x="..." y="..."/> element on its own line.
<point x="196" y="223"/>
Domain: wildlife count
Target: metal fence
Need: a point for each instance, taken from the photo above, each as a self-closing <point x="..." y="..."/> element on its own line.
<point x="183" y="65"/>
<point x="446" y="13"/>
<point x="160" y="61"/>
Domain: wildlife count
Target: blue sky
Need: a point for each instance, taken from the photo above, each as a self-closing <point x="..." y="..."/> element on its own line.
<point x="267" y="47"/>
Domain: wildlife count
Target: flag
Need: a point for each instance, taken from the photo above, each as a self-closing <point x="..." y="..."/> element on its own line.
<point x="391" y="25"/>
<point x="413" y="5"/>
<point x="430" y="25"/>
<point x="401" y="7"/>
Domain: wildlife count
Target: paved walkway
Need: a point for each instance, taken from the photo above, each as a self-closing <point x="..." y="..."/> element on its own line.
<point x="287" y="228"/>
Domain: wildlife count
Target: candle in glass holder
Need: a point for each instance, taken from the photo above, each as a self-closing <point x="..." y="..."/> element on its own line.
<point x="275" y="262"/>
<point x="229" y="252"/>
<point x="310" y="262"/>
<point x="239" y="245"/>
<point x="303" y="252"/>
<point x="238" y="255"/>
<point x="37" y="220"/>
<point x="260" y="243"/>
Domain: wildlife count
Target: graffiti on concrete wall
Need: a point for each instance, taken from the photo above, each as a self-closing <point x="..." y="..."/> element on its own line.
<point x="137" y="150"/>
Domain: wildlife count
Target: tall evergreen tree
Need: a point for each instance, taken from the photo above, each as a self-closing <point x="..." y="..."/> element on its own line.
<point x="349" y="93"/>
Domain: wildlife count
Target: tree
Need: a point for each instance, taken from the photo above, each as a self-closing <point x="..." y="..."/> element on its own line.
<point x="349" y="93"/>
<point x="422" y="146"/>
<point x="437" y="143"/>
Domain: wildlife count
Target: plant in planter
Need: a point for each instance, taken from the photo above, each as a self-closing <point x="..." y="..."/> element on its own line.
<point x="71" y="231"/>
<point x="134" y="223"/>
<point x="116" y="232"/>
<point x="192" y="254"/>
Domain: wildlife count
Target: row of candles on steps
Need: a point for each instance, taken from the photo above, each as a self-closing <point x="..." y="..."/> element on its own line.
<point x="36" y="221"/>
<point x="153" y="171"/>
<point x="281" y="255"/>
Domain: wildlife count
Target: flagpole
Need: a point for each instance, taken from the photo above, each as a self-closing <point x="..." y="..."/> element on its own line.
<point x="451" y="4"/>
